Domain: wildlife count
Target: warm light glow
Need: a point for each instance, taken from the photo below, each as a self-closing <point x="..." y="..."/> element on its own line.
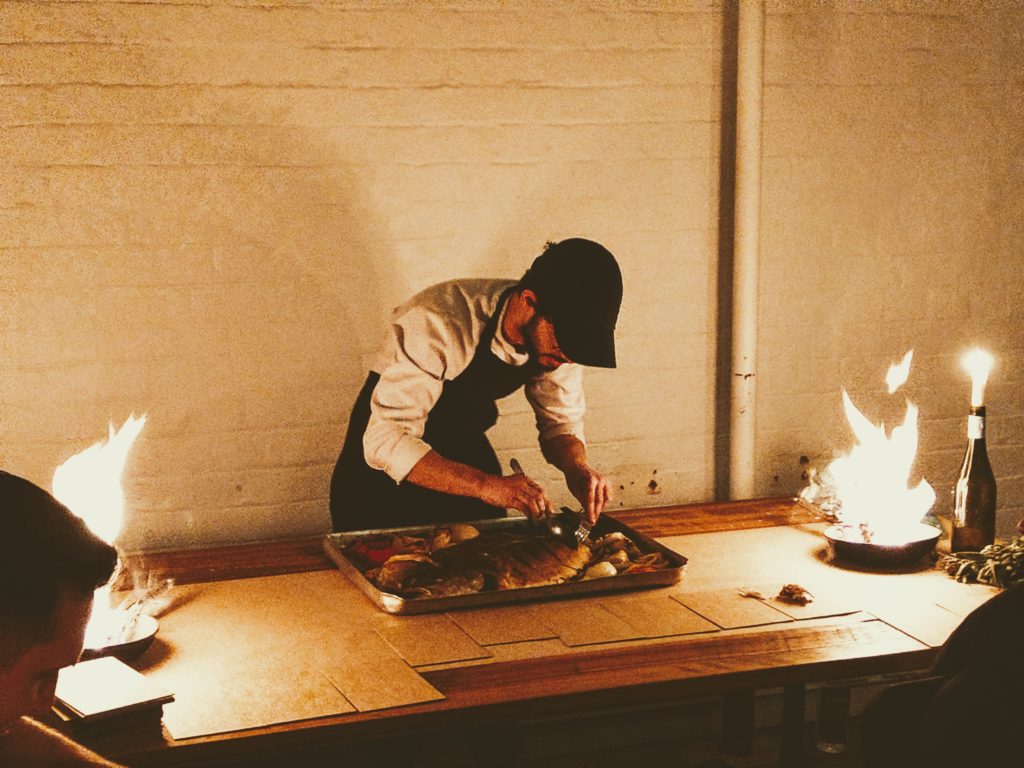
<point x="978" y="363"/>
<point x="899" y="372"/>
<point x="89" y="484"/>
<point x="871" y="482"/>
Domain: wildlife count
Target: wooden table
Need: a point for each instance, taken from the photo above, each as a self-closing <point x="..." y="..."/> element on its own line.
<point x="901" y="619"/>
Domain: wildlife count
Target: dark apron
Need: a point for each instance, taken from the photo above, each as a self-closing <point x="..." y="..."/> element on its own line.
<point x="364" y="498"/>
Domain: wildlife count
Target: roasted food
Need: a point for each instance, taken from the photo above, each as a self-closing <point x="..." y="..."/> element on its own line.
<point x="795" y="594"/>
<point x="398" y="570"/>
<point x="518" y="560"/>
<point x="457" y="559"/>
<point x="418" y="575"/>
<point x="600" y="570"/>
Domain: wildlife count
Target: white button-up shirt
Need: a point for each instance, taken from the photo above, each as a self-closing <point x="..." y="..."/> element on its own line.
<point x="432" y="339"/>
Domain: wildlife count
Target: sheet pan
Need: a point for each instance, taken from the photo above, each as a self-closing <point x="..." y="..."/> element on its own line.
<point x="334" y="543"/>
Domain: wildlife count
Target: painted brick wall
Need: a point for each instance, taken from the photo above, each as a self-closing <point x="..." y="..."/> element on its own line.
<point x="207" y="210"/>
<point x="893" y="220"/>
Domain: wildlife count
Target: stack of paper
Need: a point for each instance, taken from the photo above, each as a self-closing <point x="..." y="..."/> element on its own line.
<point x="106" y="693"/>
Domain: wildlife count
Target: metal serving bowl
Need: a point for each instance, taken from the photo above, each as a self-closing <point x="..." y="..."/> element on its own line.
<point x="846" y="544"/>
<point x="138" y="640"/>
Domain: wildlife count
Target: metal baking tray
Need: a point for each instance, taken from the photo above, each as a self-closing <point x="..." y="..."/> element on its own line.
<point x="334" y="543"/>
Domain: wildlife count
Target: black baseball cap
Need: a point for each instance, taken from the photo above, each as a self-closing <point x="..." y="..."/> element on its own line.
<point x="579" y="287"/>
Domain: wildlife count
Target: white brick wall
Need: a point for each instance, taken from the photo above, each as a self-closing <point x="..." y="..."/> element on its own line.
<point x="892" y="220"/>
<point x="206" y="211"/>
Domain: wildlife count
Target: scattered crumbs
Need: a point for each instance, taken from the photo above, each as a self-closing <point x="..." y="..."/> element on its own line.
<point x="744" y="592"/>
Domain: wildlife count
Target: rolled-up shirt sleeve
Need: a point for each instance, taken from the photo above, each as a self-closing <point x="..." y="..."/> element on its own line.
<point x="418" y="355"/>
<point x="558" y="402"/>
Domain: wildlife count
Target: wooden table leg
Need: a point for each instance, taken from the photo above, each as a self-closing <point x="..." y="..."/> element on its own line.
<point x="791" y="753"/>
<point x="738" y="723"/>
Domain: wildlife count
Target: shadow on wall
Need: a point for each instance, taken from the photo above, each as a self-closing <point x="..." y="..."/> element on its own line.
<point x="234" y="303"/>
<point x="274" y="352"/>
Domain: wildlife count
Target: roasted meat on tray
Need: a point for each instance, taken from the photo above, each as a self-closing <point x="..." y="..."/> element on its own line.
<point x="457" y="560"/>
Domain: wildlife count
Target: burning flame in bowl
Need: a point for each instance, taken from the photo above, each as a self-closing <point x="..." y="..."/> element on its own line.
<point x="868" y="488"/>
<point x="89" y="484"/>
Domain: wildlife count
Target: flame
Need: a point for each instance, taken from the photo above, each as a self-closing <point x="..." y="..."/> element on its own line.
<point x="89" y="484"/>
<point x="978" y="363"/>
<point x="899" y="372"/>
<point x="870" y="484"/>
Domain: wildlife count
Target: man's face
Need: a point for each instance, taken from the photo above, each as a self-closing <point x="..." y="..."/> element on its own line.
<point x="27" y="684"/>
<point x="539" y="334"/>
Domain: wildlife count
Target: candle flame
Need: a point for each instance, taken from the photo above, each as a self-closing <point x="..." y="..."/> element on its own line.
<point x="899" y="372"/>
<point x="978" y="364"/>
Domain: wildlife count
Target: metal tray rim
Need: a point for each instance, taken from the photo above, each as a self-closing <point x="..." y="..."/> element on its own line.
<point x="395" y="604"/>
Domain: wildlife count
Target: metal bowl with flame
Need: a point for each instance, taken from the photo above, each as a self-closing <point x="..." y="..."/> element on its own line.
<point x="848" y="544"/>
<point x="126" y="635"/>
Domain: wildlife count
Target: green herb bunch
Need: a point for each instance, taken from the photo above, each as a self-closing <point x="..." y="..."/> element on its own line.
<point x="1001" y="565"/>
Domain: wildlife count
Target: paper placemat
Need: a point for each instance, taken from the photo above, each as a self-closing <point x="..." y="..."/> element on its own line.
<point x="249" y="653"/>
<point x="372" y="678"/>
<point x="826" y="602"/>
<point x="730" y="610"/>
<point x="580" y="622"/>
<point x="429" y="639"/>
<point x="926" y="622"/>
<point x="218" y="697"/>
<point x="965" y="598"/>
<point x="502" y="624"/>
<point x="657" y="615"/>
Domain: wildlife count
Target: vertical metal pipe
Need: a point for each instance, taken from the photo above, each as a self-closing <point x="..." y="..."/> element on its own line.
<point x="746" y="242"/>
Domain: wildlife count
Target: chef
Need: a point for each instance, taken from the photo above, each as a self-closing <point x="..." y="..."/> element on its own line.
<point x="416" y="451"/>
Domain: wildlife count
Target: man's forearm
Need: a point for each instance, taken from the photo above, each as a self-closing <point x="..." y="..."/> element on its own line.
<point x="566" y="452"/>
<point x="437" y="473"/>
<point x="519" y="492"/>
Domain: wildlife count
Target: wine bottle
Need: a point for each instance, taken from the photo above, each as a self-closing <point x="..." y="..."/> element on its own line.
<point x="974" y="498"/>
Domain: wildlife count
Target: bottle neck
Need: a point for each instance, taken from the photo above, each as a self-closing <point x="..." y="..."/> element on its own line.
<point x="976" y="423"/>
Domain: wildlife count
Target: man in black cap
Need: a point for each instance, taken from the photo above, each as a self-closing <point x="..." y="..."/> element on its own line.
<point x="416" y="451"/>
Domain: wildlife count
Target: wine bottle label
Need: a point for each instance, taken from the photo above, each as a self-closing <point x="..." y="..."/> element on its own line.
<point x="960" y="502"/>
<point x="975" y="427"/>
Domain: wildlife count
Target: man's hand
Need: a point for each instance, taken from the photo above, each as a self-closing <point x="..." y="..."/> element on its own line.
<point x="591" y="488"/>
<point x="517" y="492"/>
<point x="568" y="453"/>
